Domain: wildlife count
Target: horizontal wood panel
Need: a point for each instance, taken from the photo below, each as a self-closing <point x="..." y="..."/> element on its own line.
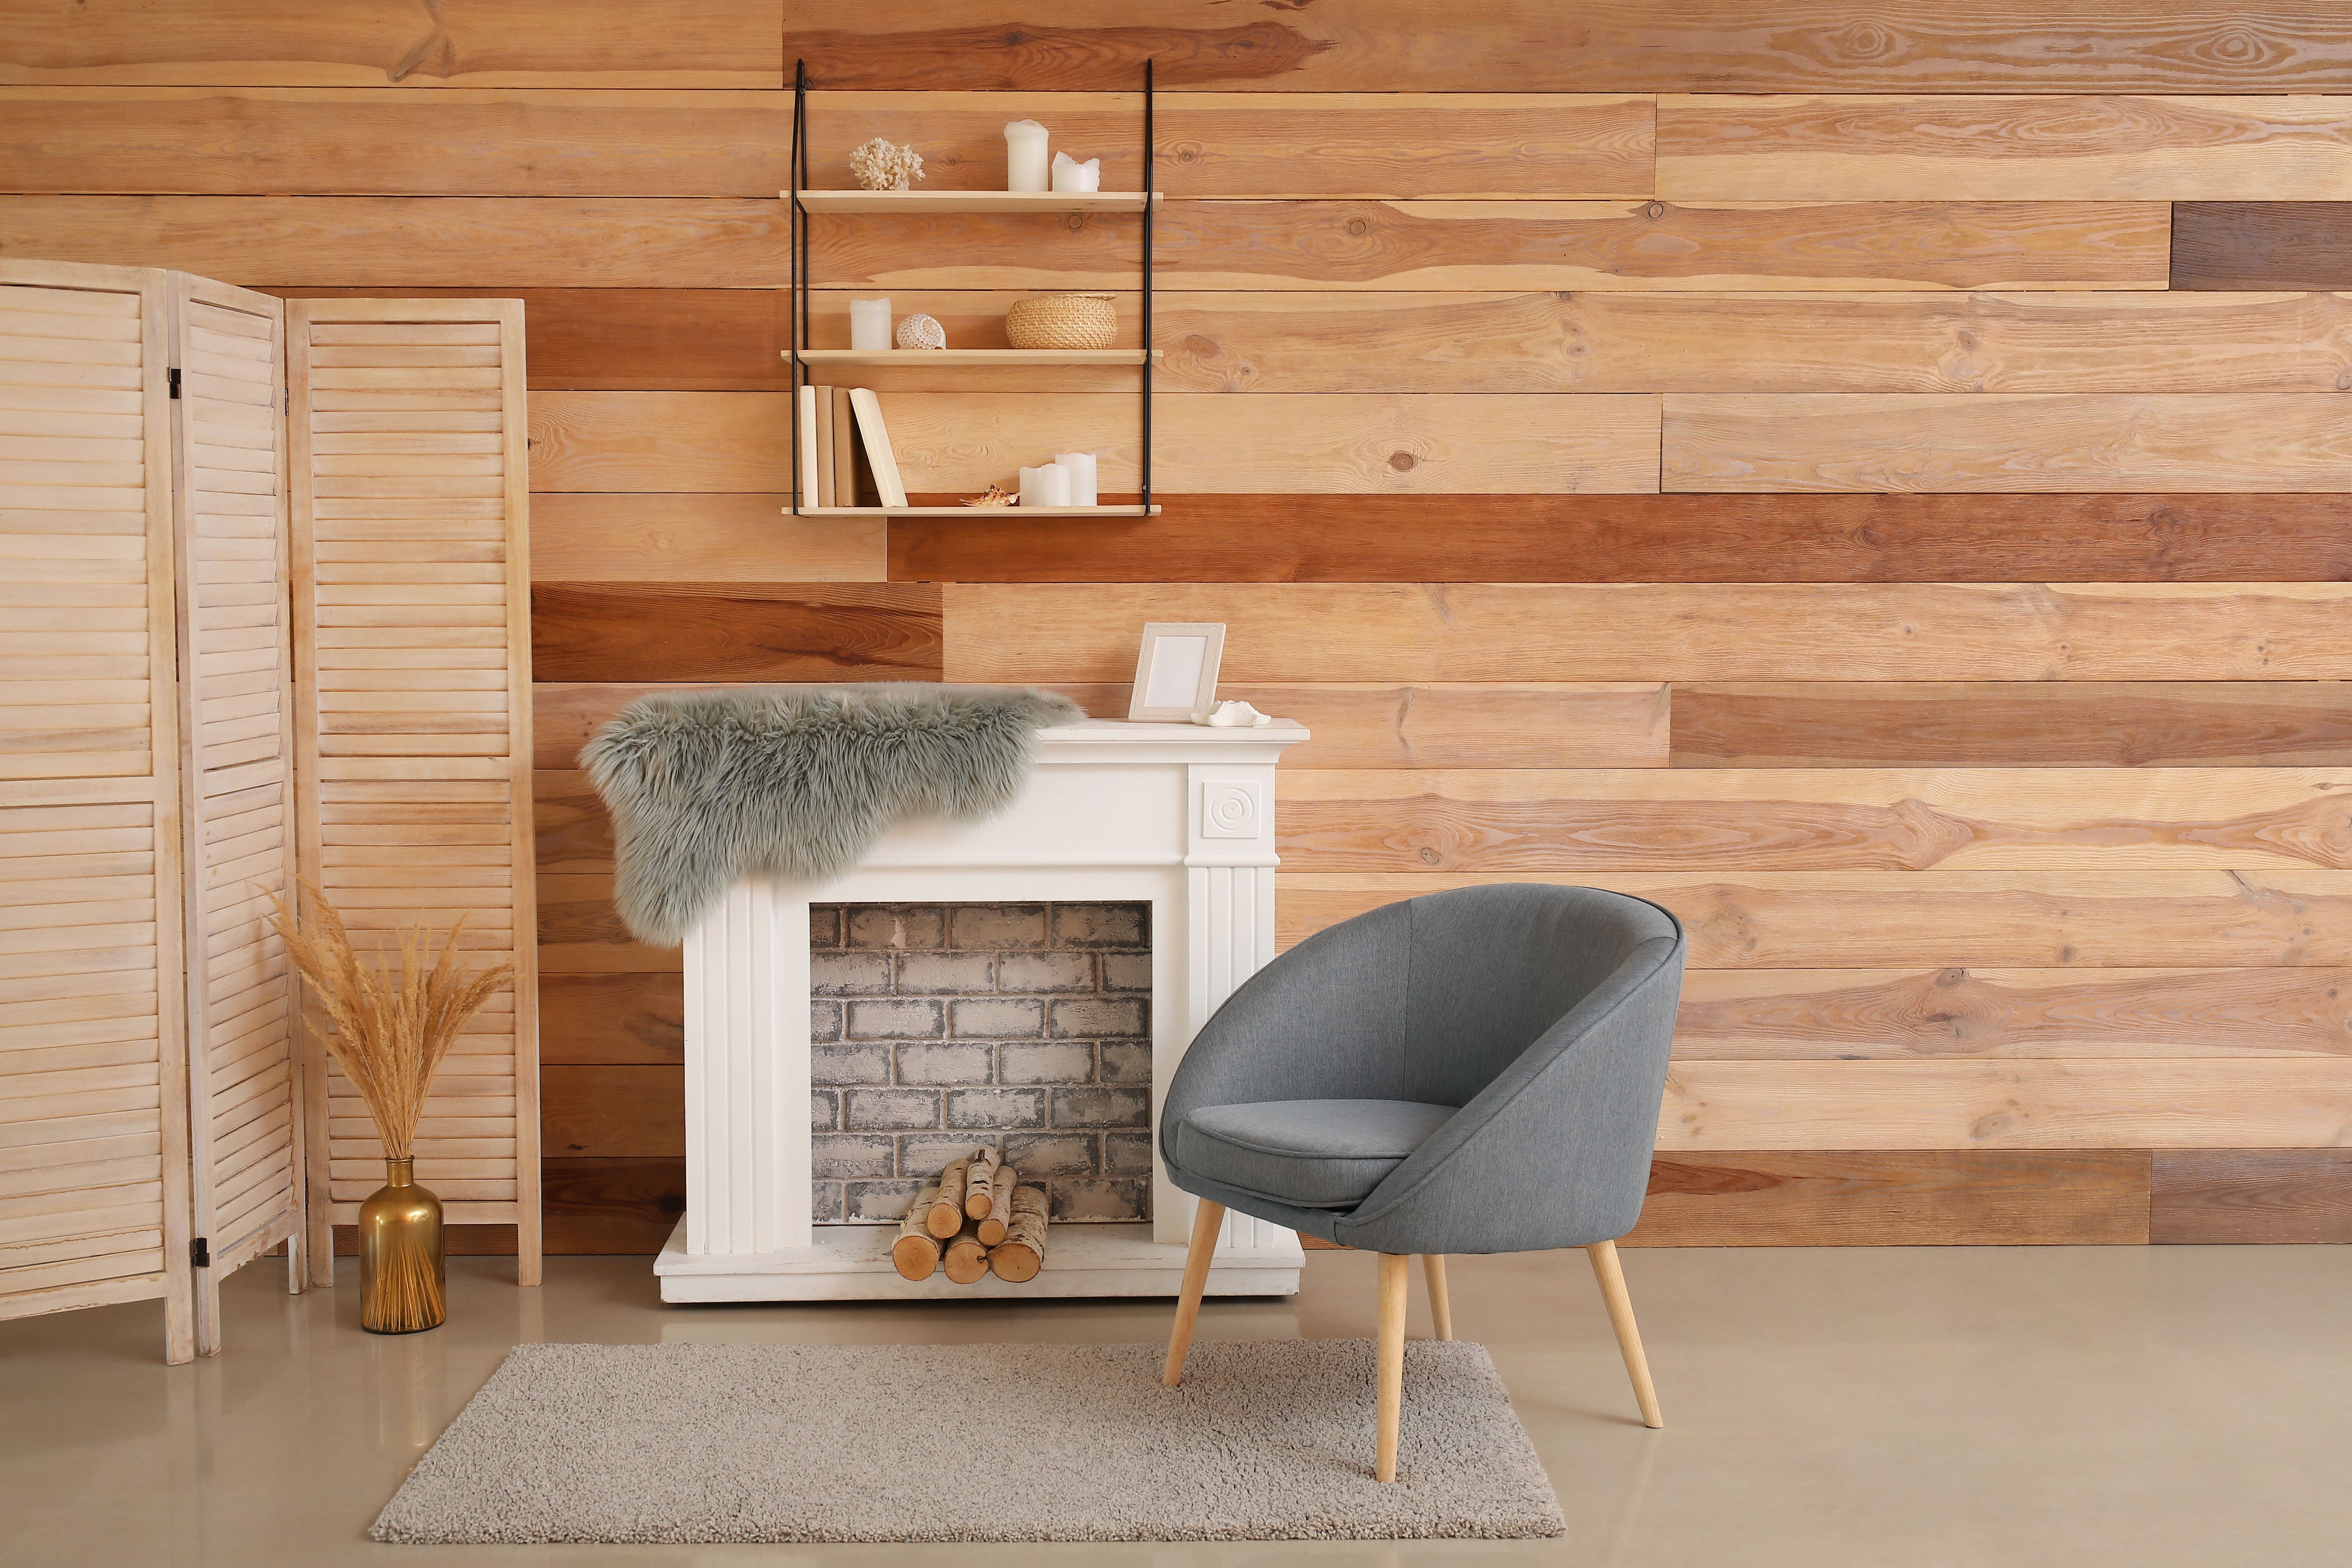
<point x="483" y="245"/>
<point x="1612" y="46"/>
<point x="634" y="1112"/>
<point x="585" y="43"/>
<point x="2274" y="1103"/>
<point x="2014" y="724"/>
<point x="1473" y="632"/>
<point x="612" y="1020"/>
<point x="612" y="1205"/>
<point x="1650" y="539"/>
<point x="1984" y="147"/>
<point x="580" y="931"/>
<point x="684" y="537"/>
<point x="1804" y="819"/>
<point x="1819" y="1015"/>
<point x="1975" y="1197"/>
<point x="2171" y="441"/>
<point x="2235" y="1196"/>
<point x="1485" y="246"/>
<point x="2262" y="245"/>
<point x="734" y="632"/>
<point x="963" y="442"/>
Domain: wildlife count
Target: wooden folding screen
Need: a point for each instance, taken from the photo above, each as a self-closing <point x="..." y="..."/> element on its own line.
<point x="93" y="1072"/>
<point x="413" y="678"/>
<point x="237" y="739"/>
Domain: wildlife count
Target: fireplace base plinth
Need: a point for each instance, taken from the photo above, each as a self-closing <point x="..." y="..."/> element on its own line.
<point x="851" y="1262"/>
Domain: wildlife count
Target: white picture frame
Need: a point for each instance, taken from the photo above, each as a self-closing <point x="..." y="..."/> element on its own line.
<point x="1176" y="671"/>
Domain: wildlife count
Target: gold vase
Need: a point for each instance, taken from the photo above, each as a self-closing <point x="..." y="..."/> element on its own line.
<point x="403" y="1281"/>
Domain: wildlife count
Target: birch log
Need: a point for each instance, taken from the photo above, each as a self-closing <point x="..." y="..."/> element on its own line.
<point x="978" y="1194"/>
<point x="967" y="1258"/>
<point x="946" y="1205"/>
<point x="916" y="1254"/>
<point x="1000" y="1206"/>
<point x="1022" y="1251"/>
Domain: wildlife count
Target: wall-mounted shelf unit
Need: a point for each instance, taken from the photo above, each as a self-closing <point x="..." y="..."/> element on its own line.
<point x="802" y="203"/>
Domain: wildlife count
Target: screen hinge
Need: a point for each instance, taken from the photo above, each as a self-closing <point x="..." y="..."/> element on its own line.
<point x="200" y="1252"/>
<point x="175" y="381"/>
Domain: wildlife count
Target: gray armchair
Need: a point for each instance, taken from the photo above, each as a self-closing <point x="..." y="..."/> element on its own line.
<point x="1471" y="1071"/>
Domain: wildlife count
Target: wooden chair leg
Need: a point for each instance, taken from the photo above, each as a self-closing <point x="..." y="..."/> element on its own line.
<point x="1392" y="1362"/>
<point x="1208" y="1219"/>
<point x="1441" y="1307"/>
<point x="1611" y="1277"/>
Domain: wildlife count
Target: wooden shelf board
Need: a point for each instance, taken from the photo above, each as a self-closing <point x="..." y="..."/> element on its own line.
<point x="973" y="201"/>
<point x="1047" y="512"/>
<point x="1006" y="358"/>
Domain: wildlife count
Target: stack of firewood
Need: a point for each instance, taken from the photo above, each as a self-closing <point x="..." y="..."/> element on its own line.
<point x="979" y="1219"/>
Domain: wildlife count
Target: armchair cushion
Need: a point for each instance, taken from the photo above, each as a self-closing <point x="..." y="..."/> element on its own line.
<point x="1316" y="1153"/>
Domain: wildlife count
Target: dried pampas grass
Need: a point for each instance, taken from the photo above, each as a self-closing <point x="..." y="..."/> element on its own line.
<point x="390" y="1028"/>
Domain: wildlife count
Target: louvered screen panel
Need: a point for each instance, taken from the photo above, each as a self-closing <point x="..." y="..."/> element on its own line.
<point x="412" y="602"/>
<point x="237" y="723"/>
<point x="93" y="1107"/>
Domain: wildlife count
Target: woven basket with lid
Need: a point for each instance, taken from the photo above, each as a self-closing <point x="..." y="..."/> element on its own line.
<point x="1062" y="322"/>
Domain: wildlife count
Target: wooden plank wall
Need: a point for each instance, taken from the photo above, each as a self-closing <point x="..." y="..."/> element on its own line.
<point x="1873" y="481"/>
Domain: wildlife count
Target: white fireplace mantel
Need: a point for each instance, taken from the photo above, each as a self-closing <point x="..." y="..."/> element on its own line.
<point x="1178" y="815"/>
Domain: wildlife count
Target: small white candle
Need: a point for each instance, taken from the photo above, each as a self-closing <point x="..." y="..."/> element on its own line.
<point x="1024" y="156"/>
<point x="1047" y="485"/>
<point x="1082" y="476"/>
<point x="869" y="324"/>
<point x="1069" y="174"/>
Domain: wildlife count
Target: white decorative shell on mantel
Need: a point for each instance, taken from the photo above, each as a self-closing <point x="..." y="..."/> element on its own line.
<point x="921" y="331"/>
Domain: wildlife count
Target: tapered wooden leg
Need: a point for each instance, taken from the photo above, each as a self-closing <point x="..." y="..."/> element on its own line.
<point x="1208" y="1219"/>
<point x="1629" y="1337"/>
<point x="1391" y="1361"/>
<point x="1441" y="1310"/>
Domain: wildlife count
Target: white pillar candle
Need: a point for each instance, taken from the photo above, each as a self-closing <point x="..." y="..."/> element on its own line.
<point x="1024" y="156"/>
<point x="869" y="324"/>
<point x="1048" y="485"/>
<point x="1069" y="174"/>
<point x="1082" y="476"/>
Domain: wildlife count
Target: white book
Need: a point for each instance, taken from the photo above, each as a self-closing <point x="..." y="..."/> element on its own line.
<point x="809" y="494"/>
<point x="877" y="446"/>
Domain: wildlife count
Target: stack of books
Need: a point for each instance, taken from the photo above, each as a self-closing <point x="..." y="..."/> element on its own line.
<point x="835" y="423"/>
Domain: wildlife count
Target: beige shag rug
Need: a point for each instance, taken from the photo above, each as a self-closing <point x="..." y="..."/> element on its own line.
<point x="1267" y="1440"/>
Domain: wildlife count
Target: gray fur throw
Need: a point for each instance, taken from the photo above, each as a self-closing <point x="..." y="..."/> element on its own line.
<point x="795" y="782"/>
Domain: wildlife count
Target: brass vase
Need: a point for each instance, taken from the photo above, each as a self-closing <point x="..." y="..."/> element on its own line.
<point x="403" y="1283"/>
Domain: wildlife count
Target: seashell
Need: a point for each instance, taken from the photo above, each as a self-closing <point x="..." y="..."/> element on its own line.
<point x="921" y="331"/>
<point x="994" y="495"/>
<point x="1234" y="715"/>
<point x="882" y="165"/>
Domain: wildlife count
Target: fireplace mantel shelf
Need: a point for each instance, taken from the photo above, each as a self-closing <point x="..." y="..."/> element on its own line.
<point x="1181" y="816"/>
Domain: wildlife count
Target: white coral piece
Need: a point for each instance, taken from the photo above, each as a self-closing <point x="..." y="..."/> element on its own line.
<point x="882" y="165"/>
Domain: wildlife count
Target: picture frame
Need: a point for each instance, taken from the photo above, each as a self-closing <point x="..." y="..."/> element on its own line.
<point x="1176" y="671"/>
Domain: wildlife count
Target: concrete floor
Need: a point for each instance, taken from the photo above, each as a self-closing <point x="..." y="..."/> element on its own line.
<point x="1880" y="1408"/>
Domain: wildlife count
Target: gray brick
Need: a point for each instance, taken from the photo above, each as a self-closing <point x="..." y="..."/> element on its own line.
<point x="962" y="974"/>
<point x="824" y="1111"/>
<point x="945" y="1063"/>
<point x="1102" y="925"/>
<point x="1056" y="1062"/>
<point x="880" y="1203"/>
<point x="1099" y="1108"/>
<point x="996" y="1108"/>
<point x="907" y="928"/>
<point x="923" y="1155"/>
<point x="993" y="1018"/>
<point x="840" y="1154"/>
<point x="896" y="1019"/>
<point x="849" y="974"/>
<point x="1127" y="972"/>
<point x="1080" y="1019"/>
<point x="1045" y="972"/>
<point x="1127" y="1061"/>
<point x="1035" y="1154"/>
<point x="1126" y="1153"/>
<point x="1082" y="1199"/>
<point x="824" y="1202"/>
<point x="824" y="1020"/>
<point x="891" y="1110"/>
<point x="997" y="926"/>
<point x="824" y="925"/>
<point x="849" y="1064"/>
